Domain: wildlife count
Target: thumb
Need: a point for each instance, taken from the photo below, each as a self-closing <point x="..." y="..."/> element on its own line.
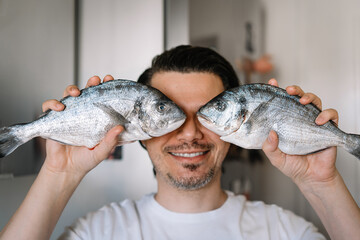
<point x="271" y="143"/>
<point x="270" y="148"/>
<point x="110" y="140"/>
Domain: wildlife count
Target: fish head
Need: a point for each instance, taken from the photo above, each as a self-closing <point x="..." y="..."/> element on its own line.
<point x="223" y="114"/>
<point x="160" y="116"/>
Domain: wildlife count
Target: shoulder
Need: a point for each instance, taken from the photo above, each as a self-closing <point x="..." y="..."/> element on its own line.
<point x="272" y="211"/>
<point x="123" y="215"/>
<point x="274" y="221"/>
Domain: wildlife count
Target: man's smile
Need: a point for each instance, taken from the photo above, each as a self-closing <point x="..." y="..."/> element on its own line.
<point x="188" y="155"/>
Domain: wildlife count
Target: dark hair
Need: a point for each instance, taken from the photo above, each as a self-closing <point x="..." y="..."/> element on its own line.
<point x="186" y="59"/>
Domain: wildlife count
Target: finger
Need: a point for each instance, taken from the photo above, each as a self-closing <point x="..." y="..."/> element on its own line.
<point x="295" y="90"/>
<point x="273" y="82"/>
<point x="270" y="148"/>
<point x="327" y="115"/>
<point x="93" y="81"/>
<point x="271" y="143"/>
<point x="71" y="90"/>
<point x="53" y="105"/>
<point x="311" y="98"/>
<point x="108" y="143"/>
<point x="108" y="78"/>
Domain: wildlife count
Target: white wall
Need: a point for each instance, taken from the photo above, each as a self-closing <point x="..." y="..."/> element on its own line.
<point x="315" y="45"/>
<point x="118" y="38"/>
<point x="176" y="22"/>
<point x="36" y="63"/>
<point x="214" y="18"/>
<point x="225" y="20"/>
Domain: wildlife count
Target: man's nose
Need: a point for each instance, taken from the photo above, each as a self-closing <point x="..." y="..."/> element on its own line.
<point x="190" y="131"/>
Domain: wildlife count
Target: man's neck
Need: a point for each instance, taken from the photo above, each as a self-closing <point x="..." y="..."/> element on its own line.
<point x="204" y="199"/>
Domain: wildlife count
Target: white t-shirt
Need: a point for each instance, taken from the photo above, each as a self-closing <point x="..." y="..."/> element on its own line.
<point x="235" y="219"/>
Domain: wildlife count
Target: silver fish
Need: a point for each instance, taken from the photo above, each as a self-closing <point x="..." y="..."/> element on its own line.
<point x="245" y="115"/>
<point x="143" y="111"/>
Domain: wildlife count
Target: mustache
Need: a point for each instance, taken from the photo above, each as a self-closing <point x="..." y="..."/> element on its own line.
<point x="189" y="146"/>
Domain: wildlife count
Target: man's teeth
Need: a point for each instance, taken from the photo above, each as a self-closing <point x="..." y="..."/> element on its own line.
<point x="188" y="154"/>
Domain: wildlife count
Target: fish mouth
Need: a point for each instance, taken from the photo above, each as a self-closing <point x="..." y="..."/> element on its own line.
<point x="211" y="125"/>
<point x="208" y="123"/>
<point x="204" y="120"/>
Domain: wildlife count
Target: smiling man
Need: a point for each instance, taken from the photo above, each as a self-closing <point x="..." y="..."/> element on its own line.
<point x="190" y="157"/>
<point x="189" y="203"/>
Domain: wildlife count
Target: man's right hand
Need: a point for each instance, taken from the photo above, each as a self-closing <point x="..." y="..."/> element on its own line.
<point x="78" y="160"/>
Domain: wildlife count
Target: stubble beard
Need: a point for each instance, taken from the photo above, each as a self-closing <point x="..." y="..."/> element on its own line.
<point x="191" y="183"/>
<point x="188" y="182"/>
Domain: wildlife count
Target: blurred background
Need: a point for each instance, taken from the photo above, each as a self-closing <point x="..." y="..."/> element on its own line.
<point x="47" y="45"/>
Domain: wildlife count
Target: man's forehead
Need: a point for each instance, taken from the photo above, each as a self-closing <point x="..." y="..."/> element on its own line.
<point x="191" y="90"/>
<point x="195" y="81"/>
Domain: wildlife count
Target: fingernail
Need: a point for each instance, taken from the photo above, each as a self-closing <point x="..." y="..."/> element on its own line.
<point x="304" y="100"/>
<point x="118" y="130"/>
<point x="73" y="89"/>
<point x="270" y="138"/>
<point x="319" y="120"/>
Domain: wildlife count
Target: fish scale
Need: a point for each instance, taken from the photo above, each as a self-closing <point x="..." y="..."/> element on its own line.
<point x="143" y="111"/>
<point x="267" y="108"/>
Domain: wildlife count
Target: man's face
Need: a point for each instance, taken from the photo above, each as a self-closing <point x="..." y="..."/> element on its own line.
<point x="191" y="156"/>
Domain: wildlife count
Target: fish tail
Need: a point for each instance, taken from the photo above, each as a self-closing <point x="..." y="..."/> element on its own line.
<point x="9" y="140"/>
<point x="352" y="144"/>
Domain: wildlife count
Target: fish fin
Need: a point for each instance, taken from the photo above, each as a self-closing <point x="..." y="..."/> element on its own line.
<point x="257" y="116"/>
<point x="260" y="109"/>
<point x="118" y="118"/>
<point x="352" y="144"/>
<point x="9" y="141"/>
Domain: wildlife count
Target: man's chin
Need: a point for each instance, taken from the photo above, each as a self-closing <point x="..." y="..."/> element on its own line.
<point x="191" y="182"/>
<point x="191" y="167"/>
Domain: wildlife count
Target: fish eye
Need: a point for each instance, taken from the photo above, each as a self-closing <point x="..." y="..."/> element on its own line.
<point x="161" y="107"/>
<point x="220" y="106"/>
